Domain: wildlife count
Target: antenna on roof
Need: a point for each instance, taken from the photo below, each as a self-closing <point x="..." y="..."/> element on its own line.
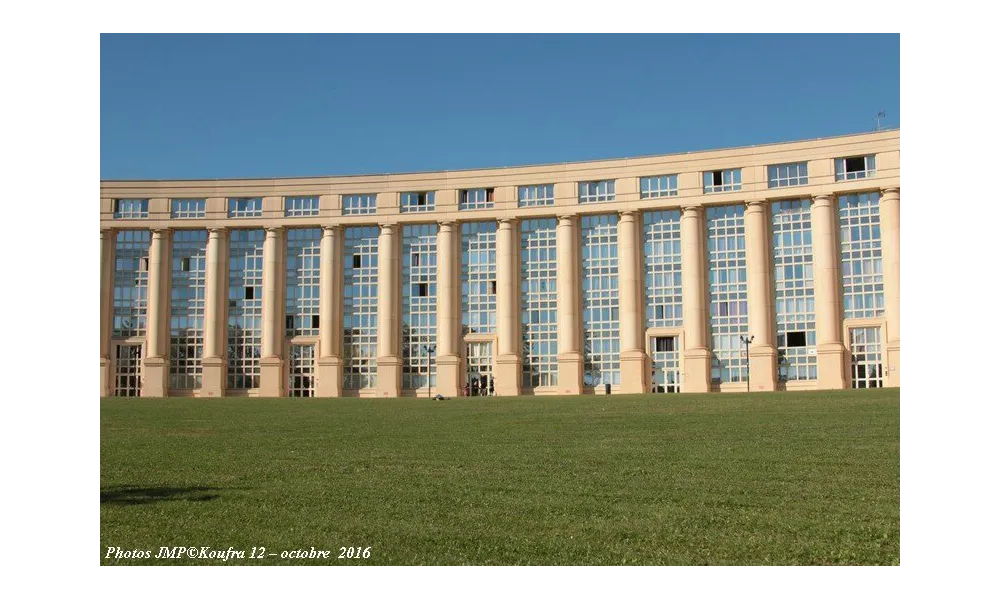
<point x="878" y="120"/>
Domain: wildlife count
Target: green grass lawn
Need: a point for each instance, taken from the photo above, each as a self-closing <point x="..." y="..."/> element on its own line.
<point x="786" y="478"/>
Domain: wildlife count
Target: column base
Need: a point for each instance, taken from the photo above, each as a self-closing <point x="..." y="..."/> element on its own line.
<point x="697" y="370"/>
<point x="105" y="373"/>
<point x="213" y="377"/>
<point x="329" y="377"/>
<point x="154" y="377"/>
<point x="634" y="366"/>
<point x="272" y="380"/>
<point x="508" y="375"/>
<point x="890" y="377"/>
<point x="449" y="367"/>
<point x="570" y="373"/>
<point x="390" y="376"/>
<point x="830" y="360"/>
<point x="763" y="369"/>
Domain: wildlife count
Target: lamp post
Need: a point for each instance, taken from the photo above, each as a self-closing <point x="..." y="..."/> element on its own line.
<point x="429" y="350"/>
<point x="746" y="341"/>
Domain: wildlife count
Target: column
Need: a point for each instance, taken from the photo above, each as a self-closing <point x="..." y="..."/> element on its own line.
<point x="272" y="380"/>
<point x="329" y="369"/>
<point x="390" y="371"/>
<point x="830" y="350"/>
<point x="568" y="306"/>
<point x="633" y="354"/>
<point x="889" y="224"/>
<point x="508" y="367"/>
<point x="107" y="286"/>
<point x="697" y="356"/>
<point x="448" y="308"/>
<point x="763" y="356"/>
<point x="155" y="365"/>
<point x="213" y="364"/>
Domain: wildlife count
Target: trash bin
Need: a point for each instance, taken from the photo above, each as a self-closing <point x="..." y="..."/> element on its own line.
<point x="607" y="389"/>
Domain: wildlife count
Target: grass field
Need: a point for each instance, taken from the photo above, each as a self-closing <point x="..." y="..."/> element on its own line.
<point x="787" y="478"/>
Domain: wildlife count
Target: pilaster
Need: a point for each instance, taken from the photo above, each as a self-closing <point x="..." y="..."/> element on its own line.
<point x="697" y="356"/>
<point x="508" y="362"/>
<point x="107" y="286"/>
<point x="570" y="357"/>
<point x="213" y="365"/>
<point x="889" y="223"/>
<point x="329" y="369"/>
<point x="272" y="379"/>
<point x="390" y="373"/>
<point x="830" y="350"/>
<point x="155" y="365"/>
<point x="633" y="355"/>
<point x="763" y="355"/>
<point x="448" y="310"/>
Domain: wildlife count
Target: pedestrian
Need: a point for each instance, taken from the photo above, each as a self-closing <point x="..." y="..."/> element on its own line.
<point x="492" y="391"/>
<point x="475" y="387"/>
<point x="466" y="394"/>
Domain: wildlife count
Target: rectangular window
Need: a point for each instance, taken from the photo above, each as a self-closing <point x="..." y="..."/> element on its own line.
<point x="855" y="167"/>
<point x="302" y="281"/>
<point x="419" y="309"/>
<point x="301" y="206"/>
<point x="539" y="367"/>
<point x="246" y="273"/>
<point x="416" y="202"/>
<point x="727" y="291"/>
<point x="662" y="255"/>
<point x="246" y="207"/>
<point x="861" y="256"/>
<point x="726" y="180"/>
<point x="131" y="208"/>
<point x="664" y="344"/>
<point x="187" y="307"/>
<point x="360" y="318"/>
<point x="187" y="208"/>
<point x="359" y="204"/>
<point x="479" y="268"/>
<point x="794" y="296"/>
<point x="597" y="191"/>
<point x="130" y="282"/>
<point x="601" y="344"/>
<point x="536" y="195"/>
<point x="658" y="187"/>
<point x="474" y="199"/>
<point x="787" y="175"/>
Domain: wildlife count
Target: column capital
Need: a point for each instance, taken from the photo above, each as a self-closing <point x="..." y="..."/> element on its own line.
<point x="692" y="209"/>
<point x="215" y="231"/>
<point x="821" y="199"/>
<point x="386" y="228"/>
<point x="447" y="224"/>
<point x="330" y="229"/>
<point x="272" y="231"/>
<point x="890" y="193"/>
<point x="628" y="214"/>
<point x="157" y="232"/>
<point x="756" y="204"/>
<point x="507" y="221"/>
<point x="569" y="217"/>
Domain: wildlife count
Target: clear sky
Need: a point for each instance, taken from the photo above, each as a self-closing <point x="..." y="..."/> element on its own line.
<point x="215" y="106"/>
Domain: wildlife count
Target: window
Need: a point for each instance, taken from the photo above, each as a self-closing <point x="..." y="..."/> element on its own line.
<point x="728" y="180"/>
<point x="419" y="307"/>
<point x="246" y="207"/>
<point x="131" y="208"/>
<point x="130" y="280"/>
<point x="861" y="256"/>
<point x="662" y="255"/>
<point x="246" y="271"/>
<point x="794" y="296"/>
<point x="248" y="293"/>
<point x="597" y="191"/>
<point x="599" y="299"/>
<point x="356" y="261"/>
<point x="796" y="339"/>
<point x="727" y="290"/>
<point x="360" y="314"/>
<point x="474" y="199"/>
<point x="187" y="208"/>
<point x="416" y="202"/>
<point x="479" y="270"/>
<point x="855" y="167"/>
<point x="536" y="195"/>
<point x="301" y="206"/>
<point x="664" y="344"/>
<point x="302" y="281"/>
<point x="658" y="187"/>
<point x="539" y="366"/>
<point x="788" y="175"/>
<point x="187" y="308"/>
<point x="359" y="204"/>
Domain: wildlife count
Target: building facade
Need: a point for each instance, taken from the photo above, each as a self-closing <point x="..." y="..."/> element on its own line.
<point x="642" y="274"/>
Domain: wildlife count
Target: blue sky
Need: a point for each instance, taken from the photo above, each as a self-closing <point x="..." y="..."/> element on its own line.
<point x="214" y="106"/>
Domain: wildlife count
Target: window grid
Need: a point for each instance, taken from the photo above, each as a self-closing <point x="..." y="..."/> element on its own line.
<point x="727" y="291"/>
<point x="662" y="255"/>
<point x="130" y="283"/>
<point x="658" y="187"/>
<point x="360" y="307"/>
<point x="302" y="282"/>
<point x="301" y="206"/>
<point x="416" y="202"/>
<point x="794" y="297"/>
<point x="187" y="208"/>
<point x="246" y="293"/>
<point x="787" y="175"/>
<point x="601" y="344"/>
<point x="479" y="277"/>
<point x="475" y="199"/>
<point x="539" y="325"/>
<point x="359" y="204"/>
<point x="727" y="180"/>
<point x="187" y="308"/>
<point x="246" y="207"/>
<point x="861" y="256"/>
<point x="536" y="195"/>
<point x="131" y="208"/>
<point x="597" y="191"/>
<point x="419" y="306"/>
<point x="866" y="357"/>
<point x="842" y="174"/>
<point x="301" y="370"/>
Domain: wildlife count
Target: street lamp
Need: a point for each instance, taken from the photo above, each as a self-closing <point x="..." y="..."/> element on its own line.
<point x="429" y="350"/>
<point x="746" y="341"/>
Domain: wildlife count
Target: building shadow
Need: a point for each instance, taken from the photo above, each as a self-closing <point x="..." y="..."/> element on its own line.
<point x="148" y="495"/>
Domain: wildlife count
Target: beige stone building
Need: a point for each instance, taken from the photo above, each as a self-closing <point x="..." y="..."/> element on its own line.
<point x="656" y="273"/>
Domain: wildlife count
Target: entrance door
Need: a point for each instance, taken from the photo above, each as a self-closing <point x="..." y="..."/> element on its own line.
<point x="301" y="370"/>
<point x="866" y="357"/>
<point x="479" y="368"/>
<point x="128" y="370"/>
<point x="666" y="365"/>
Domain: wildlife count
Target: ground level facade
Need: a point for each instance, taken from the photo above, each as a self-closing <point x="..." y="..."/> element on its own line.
<point x="766" y="268"/>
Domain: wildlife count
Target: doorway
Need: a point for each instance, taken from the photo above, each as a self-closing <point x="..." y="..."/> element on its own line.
<point x="128" y="370"/>
<point x="479" y="368"/>
<point x="866" y="357"/>
<point x="301" y="370"/>
<point x="666" y="365"/>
